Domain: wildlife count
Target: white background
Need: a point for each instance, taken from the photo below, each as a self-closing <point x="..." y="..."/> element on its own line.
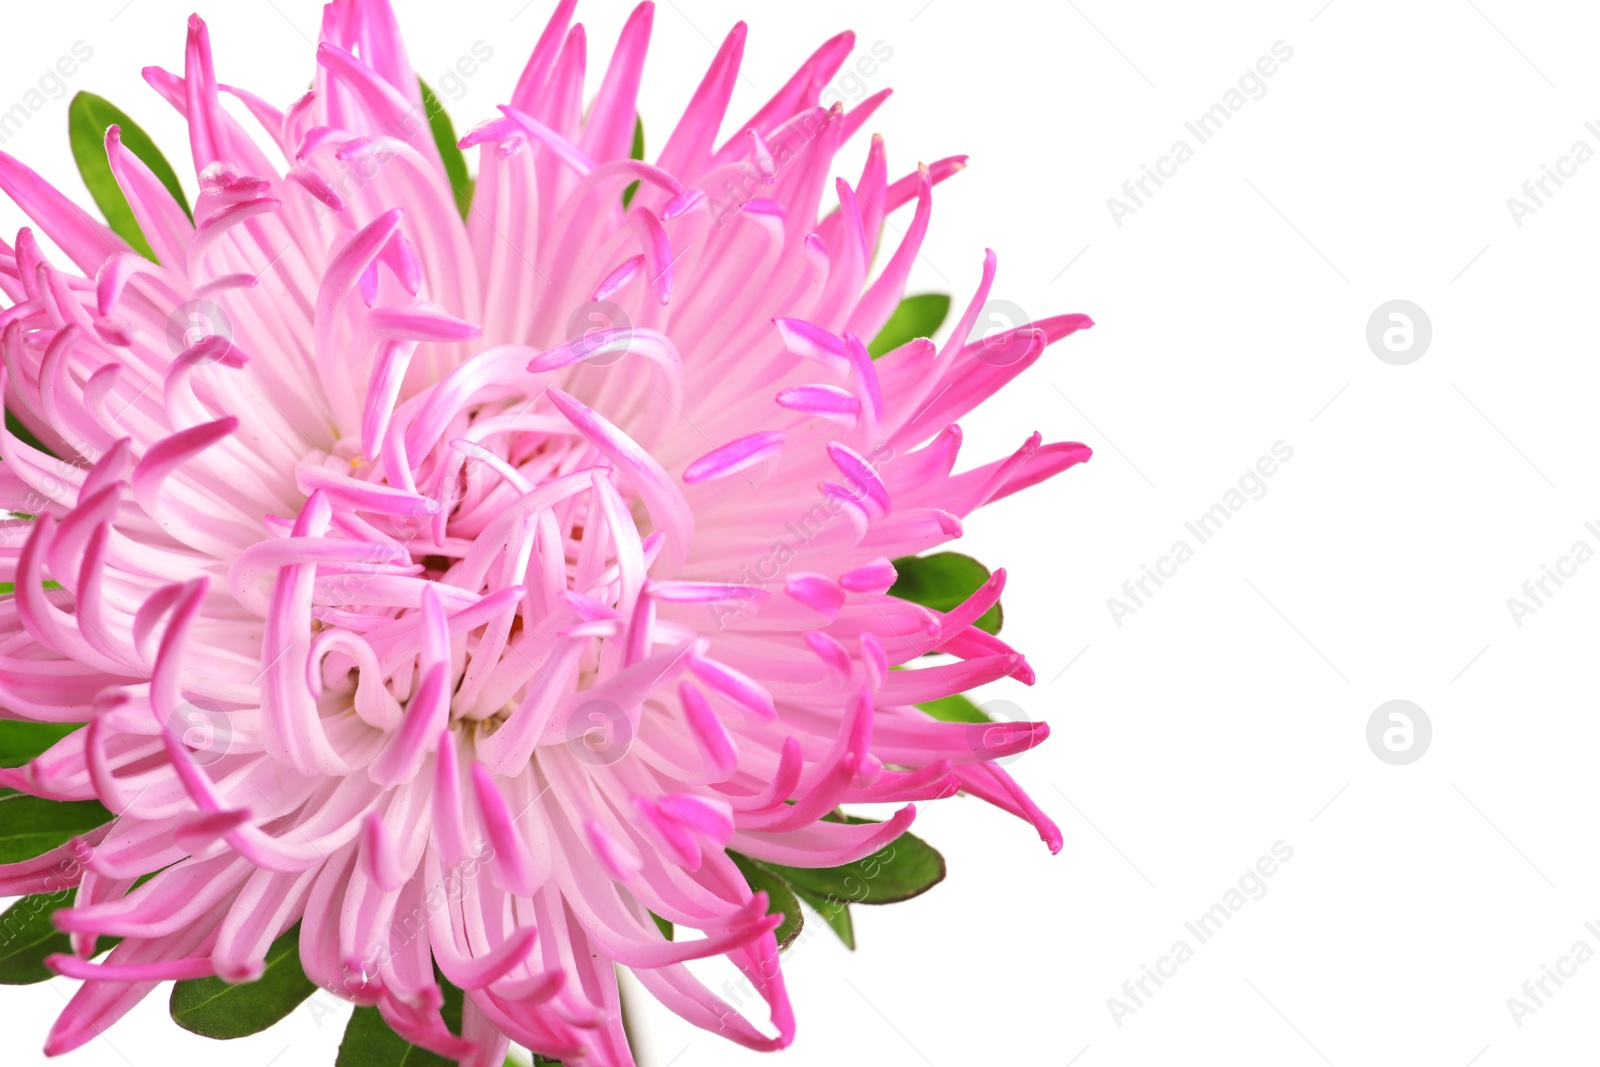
<point x="1228" y="713"/>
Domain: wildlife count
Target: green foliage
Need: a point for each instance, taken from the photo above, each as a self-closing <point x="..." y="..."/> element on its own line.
<point x="88" y="118"/>
<point x="8" y="587"/>
<point x="369" y="1042"/>
<point x="943" y="581"/>
<point x="638" y="153"/>
<point x="955" y="708"/>
<point x="638" y="138"/>
<point x="834" y="912"/>
<point x="917" y="316"/>
<point x="905" y="868"/>
<point x="444" y="135"/>
<point x="213" y="1008"/>
<point x="31" y="826"/>
<point x="22" y="433"/>
<point x="27" y="937"/>
<point x="780" y="897"/>
<point x="21" y="741"/>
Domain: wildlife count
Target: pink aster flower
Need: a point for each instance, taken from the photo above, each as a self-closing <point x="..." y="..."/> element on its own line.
<point x="467" y="591"/>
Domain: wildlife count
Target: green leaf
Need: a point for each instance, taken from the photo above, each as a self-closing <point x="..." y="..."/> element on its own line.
<point x="22" y="433"/>
<point x="834" y="912"/>
<point x="917" y="316"/>
<point x="368" y="1041"/>
<point x="780" y="897"/>
<point x="23" y="741"/>
<point x="8" y="587"/>
<point x="88" y="117"/>
<point x="955" y="708"/>
<point x="662" y="925"/>
<point x="903" y="869"/>
<point x="638" y="153"/>
<point x="211" y="1007"/>
<point x="444" y="135"/>
<point x="27" y="937"/>
<point x="30" y="826"/>
<point x="943" y="581"/>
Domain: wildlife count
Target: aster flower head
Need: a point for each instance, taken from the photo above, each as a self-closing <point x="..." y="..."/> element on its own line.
<point x="463" y="593"/>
